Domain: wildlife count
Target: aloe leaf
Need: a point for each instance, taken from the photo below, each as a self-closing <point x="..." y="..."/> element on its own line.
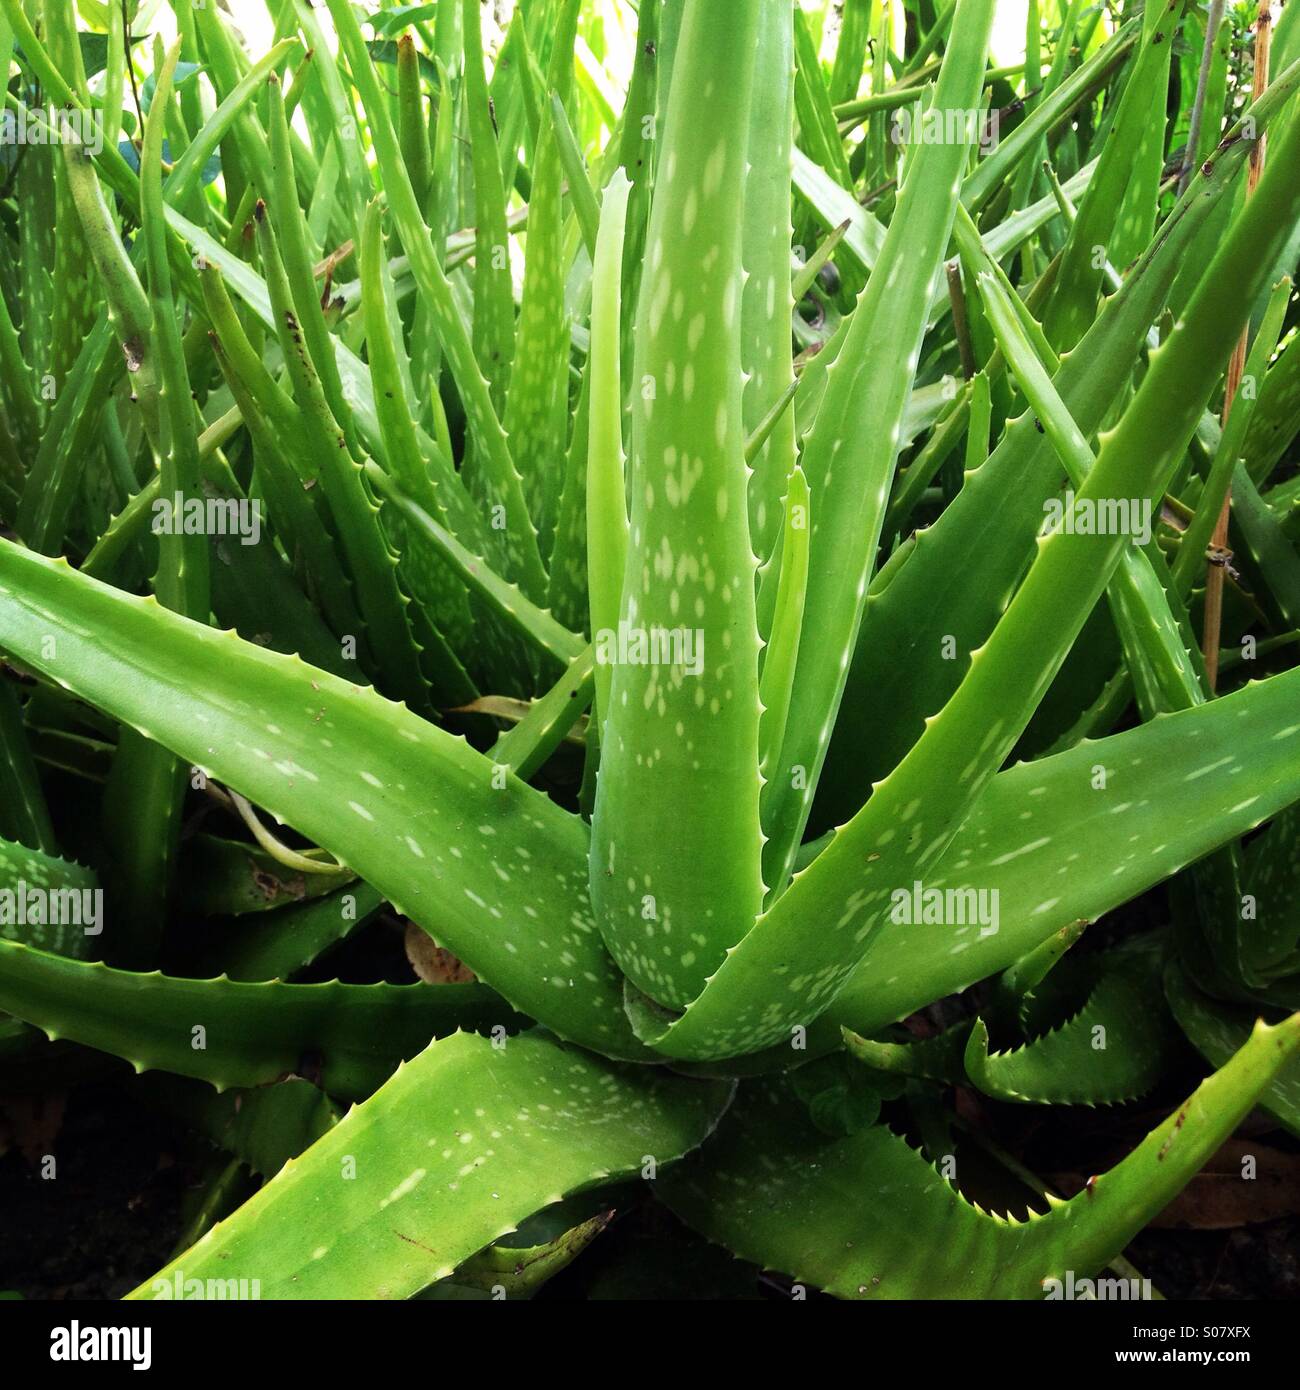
<point x="817" y="128"/>
<point x="586" y="205"/>
<point x="537" y="402"/>
<point x="767" y="303"/>
<point x="279" y="945"/>
<point x="388" y="632"/>
<point x="1130" y="789"/>
<point x="405" y="458"/>
<point x="606" y="510"/>
<point x="232" y="1034"/>
<point x="1217" y="1030"/>
<point x="233" y="877"/>
<point x="1126" y="791"/>
<point x="775" y="1190"/>
<point x="297" y="258"/>
<point x="940" y="1058"/>
<point x="1271" y="550"/>
<point x="50" y="492"/>
<point x="1189" y="566"/>
<point x="531" y="742"/>
<point x="146" y="776"/>
<point x="283" y="469"/>
<point x="568" y="589"/>
<point x="955" y="581"/>
<point x="781" y="653"/>
<point x="499" y="466"/>
<point x="1121" y="195"/>
<point x="48" y="901"/>
<point x="1271" y="873"/>
<point x="1016" y="985"/>
<point x="1275" y="419"/>
<point x="183" y="180"/>
<point x="458" y="1149"/>
<point x="534" y="623"/>
<point x="516" y="1270"/>
<point x="1082" y="84"/>
<point x="1164" y="676"/>
<point x="24" y="814"/>
<point x="1117" y="1047"/>
<point x="210" y="697"/>
<point x="264" y="1126"/>
<point x="494" y="304"/>
<point x="850" y="452"/>
<point x="679" y="759"/>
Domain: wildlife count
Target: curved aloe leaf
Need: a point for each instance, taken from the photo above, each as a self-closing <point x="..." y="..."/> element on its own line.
<point x="455" y="1151"/>
<point x="233" y="1034"/>
<point x="1217" y="1030"/>
<point x="868" y="1217"/>
<point x="306" y="746"/>
<point x="939" y="1058"/>
<point x="1117" y="1047"/>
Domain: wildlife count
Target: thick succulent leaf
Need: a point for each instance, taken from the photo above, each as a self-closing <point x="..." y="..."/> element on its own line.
<point x="494" y="307"/>
<point x="1271" y="875"/>
<point x="1217" y="1030"/>
<point x="1119" y="810"/>
<point x="679" y="758"/>
<point x="766" y="304"/>
<point x="277" y="946"/>
<point x="24" y="814"/>
<point x="234" y="1034"/>
<point x="1275" y="420"/>
<point x="527" y="746"/>
<point x="509" y="899"/>
<point x="48" y="902"/>
<point x="939" y="1058"/>
<point x="850" y="452"/>
<point x="520" y="1270"/>
<point x="606" y="481"/>
<point x="234" y="877"/>
<point x="956" y="580"/>
<point x="1117" y="1047"/>
<point x="867" y="1217"/>
<point x="815" y="933"/>
<point x="1082" y="84"/>
<point x="436" y="294"/>
<point x="455" y="1151"/>
<point x="264" y="1126"/>
<point x="537" y="401"/>
<point x="1164" y="676"/>
<point x="1114" y="208"/>
<point x="1119" y="806"/>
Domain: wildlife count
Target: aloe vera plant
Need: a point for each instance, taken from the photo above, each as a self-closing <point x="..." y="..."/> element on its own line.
<point x="701" y="518"/>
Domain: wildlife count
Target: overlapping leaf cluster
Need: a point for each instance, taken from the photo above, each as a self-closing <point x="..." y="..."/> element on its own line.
<point x="652" y="418"/>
